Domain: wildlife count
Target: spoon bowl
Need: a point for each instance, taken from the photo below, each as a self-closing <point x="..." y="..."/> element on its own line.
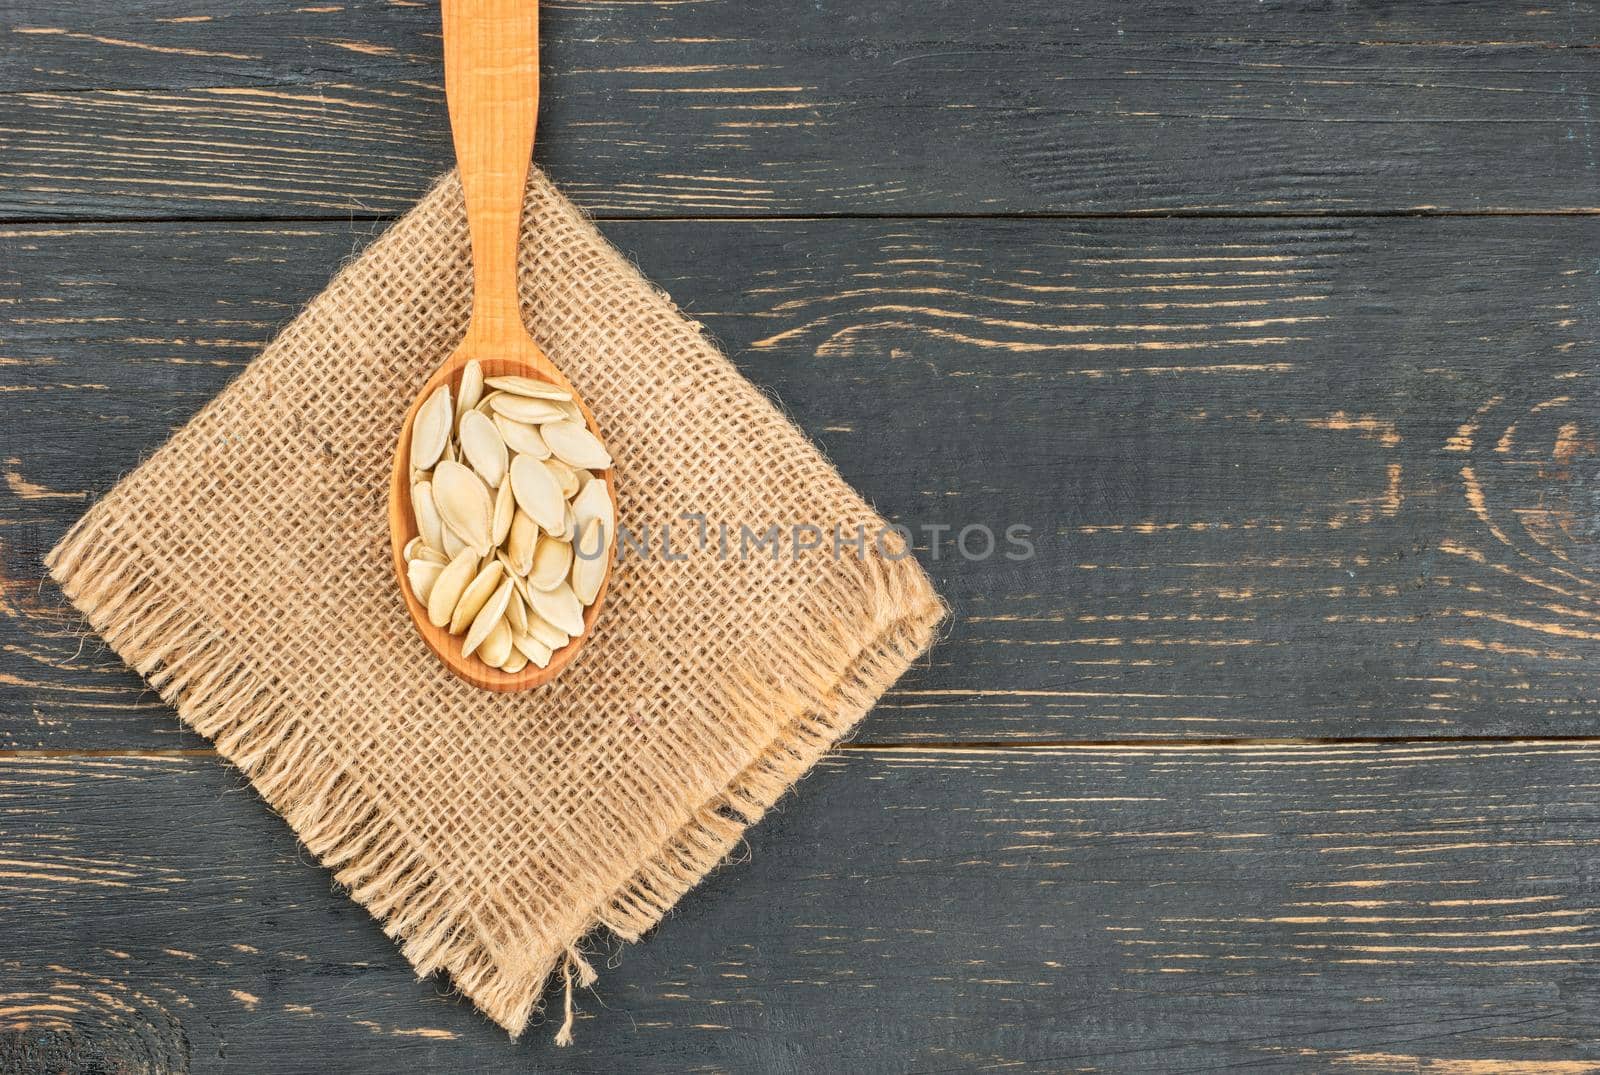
<point x="491" y="54"/>
<point x="403" y="525"/>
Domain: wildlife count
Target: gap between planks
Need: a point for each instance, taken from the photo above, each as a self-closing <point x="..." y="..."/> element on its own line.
<point x="997" y="746"/>
<point x="1419" y="212"/>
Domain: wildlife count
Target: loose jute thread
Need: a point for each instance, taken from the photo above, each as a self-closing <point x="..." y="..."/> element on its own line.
<point x="574" y="966"/>
<point x="244" y="570"/>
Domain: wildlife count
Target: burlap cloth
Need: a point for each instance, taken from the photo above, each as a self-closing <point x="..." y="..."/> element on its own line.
<point x="244" y="569"/>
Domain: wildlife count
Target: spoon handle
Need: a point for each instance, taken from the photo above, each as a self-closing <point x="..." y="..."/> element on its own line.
<point x="491" y="84"/>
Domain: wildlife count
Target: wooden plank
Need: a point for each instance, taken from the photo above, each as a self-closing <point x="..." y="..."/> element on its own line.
<point x="733" y="109"/>
<point x="1285" y="479"/>
<point x="910" y="910"/>
<point x="170" y="44"/>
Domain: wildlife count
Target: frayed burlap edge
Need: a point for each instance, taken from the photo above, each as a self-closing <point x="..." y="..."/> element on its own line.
<point x="819" y="689"/>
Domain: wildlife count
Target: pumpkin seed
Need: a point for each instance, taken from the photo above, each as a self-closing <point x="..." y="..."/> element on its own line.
<point x="473" y="598"/>
<point x="471" y="390"/>
<point x="481" y="444"/>
<point x="515" y="661"/>
<point x="464" y="504"/>
<point x="417" y="548"/>
<point x="574" y="445"/>
<point x="537" y="652"/>
<point x="521" y="437"/>
<point x="428" y="523"/>
<point x="453" y="544"/>
<point x="537" y="492"/>
<point x="551" y="562"/>
<point x="517" y="611"/>
<point x="560" y="606"/>
<point x="589" y="567"/>
<point x="421" y="575"/>
<point x="490" y="618"/>
<point x="525" y="408"/>
<point x="519" y="544"/>
<point x="547" y="633"/>
<point x="565" y="477"/>
<point x="505" y="507"/>
<point x="431" y="429"/>
<point x="529" y="386"/>
<point x="496" y="648"/>
<point x="594" y="502"/>
<point x="521" y="584"/>
<point x="448" y="587"/>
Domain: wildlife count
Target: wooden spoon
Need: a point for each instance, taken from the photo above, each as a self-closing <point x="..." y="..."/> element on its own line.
<point x="491" y="77"/>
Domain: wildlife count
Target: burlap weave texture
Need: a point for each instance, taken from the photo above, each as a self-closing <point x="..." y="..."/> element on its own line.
<point x="244" y="570"/>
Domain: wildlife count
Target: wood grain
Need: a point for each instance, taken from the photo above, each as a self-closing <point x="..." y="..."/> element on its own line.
<point x="1118" y="909"/>
<point x="1284" y="478"/>
<point x="168" y="44"/>
<point x="725" y="108"/>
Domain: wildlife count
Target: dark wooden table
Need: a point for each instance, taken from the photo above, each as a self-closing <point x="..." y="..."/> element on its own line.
<point x="1277" y="323"/>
